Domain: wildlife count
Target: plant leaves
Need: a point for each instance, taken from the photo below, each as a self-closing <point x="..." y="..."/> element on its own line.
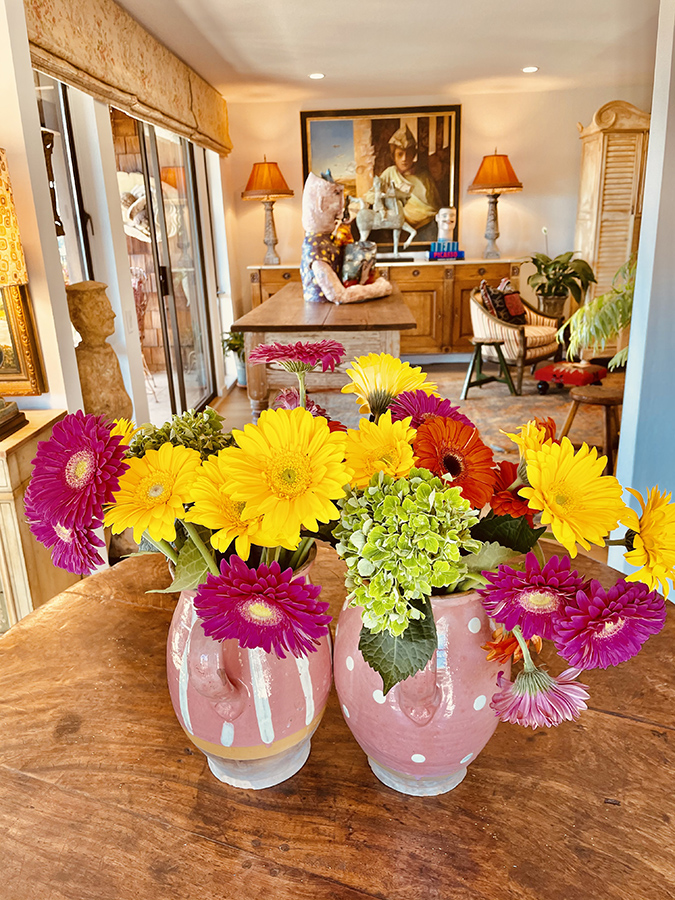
<point x="191" y="570"/>
<point x="490" y="555"/>
<point x="505" y="530"/>
<point x="397" y="658"/>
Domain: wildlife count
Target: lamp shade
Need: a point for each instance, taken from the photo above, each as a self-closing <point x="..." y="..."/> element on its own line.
<point x="266" y="183"/>
<point x="12" y="262"/>
<point x="495" y="176"/>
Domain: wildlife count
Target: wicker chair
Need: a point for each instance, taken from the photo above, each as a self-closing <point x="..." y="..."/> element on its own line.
<point x="523" y="344"/>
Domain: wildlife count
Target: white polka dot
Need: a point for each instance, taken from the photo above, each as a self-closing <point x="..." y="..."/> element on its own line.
<point x="466" y="759"/>
<point x="479" y="702"/>
<point x="349" y="662"/>
<point x="345" y="711"/>
<point x="417" y="757"/>
<point x="474" y="625"/>
<point x="378" y="696"/>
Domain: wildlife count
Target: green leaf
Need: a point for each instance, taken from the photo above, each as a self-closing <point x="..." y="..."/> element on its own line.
<point x="510" y="532"/>
<point x="191" y="570"/>
<point x="397" y="658"/>
<point x="490" y="555"/>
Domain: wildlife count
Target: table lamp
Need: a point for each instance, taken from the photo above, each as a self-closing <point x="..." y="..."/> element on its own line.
<point x="495" y="176"/>
<point x="266" y="183"/>
<point x="13" y="276"/>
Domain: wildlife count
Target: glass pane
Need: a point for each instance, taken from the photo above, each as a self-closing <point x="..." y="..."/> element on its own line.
<point x="185" y="261"/>
<point x="61" y="177"/>
<point x="144" y="282"/>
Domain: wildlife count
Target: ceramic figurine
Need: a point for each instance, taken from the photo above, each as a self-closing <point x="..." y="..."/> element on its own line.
<point x="387" y="212"/>
<point x="322" y="207"/>
<point x="446" y="219"/>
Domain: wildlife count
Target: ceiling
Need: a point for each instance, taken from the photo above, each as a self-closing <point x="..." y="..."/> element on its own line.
<point x="264" y="50"/>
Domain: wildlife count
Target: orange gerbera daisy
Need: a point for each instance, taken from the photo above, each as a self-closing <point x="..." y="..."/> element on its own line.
<point x="505" y="502"/>
<point x="455" y="452"/>
<point x="504" y="645"/>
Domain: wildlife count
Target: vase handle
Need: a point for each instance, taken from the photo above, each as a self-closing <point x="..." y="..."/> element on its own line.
<point x="419" y="696"/>
<point x="206" y="670"/>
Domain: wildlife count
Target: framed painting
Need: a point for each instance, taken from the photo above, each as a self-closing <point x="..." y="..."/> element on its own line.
<point x="414" y="151"/>
<point x="21" y="366"/>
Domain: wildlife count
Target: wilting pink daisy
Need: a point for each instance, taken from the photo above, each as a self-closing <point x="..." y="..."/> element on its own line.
<point x="532" y="599"/>
<point x="300" y="357"/>
<point x="262" y="607"/>
<point x="420" y="406"/>
<point x="536" y="699"/>
<point x="601" y="628"/>
<point x="72" y="549"/>
<point x="77" y="471"/>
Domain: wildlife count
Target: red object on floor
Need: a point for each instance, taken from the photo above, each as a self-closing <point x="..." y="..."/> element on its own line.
<point x="571" y="373"/>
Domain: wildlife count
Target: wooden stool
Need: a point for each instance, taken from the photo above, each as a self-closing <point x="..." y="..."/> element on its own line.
<point x="608" y="395"/>
<point x="477" y="363"/>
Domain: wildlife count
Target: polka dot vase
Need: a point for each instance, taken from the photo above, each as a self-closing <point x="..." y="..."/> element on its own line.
<point x="421" y="736"/>
<point x="251" y="713"/>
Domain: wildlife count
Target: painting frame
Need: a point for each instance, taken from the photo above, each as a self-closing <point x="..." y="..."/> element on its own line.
<point x="24" y="373"/>
<point x="355" y="144"/>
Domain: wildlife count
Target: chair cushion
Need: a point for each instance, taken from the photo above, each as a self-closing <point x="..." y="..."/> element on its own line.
<point x="505" y="306"/>
<point x="539" y="335"/>
<point x="542" y="351"/>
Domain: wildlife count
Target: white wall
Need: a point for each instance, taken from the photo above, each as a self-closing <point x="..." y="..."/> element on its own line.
<point x="538" y="131"/>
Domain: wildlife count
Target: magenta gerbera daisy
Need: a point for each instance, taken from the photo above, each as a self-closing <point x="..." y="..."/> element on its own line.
<point x="535" y="699"/>
<point x="601" y="628"/>
<point x="77" y="471"/>
<point x="300" y="357"/>
<point x="262" y="607"/>
<point x="72" y="549"/>
<point x="420" y="406"/>
<point x="532" y="599"/>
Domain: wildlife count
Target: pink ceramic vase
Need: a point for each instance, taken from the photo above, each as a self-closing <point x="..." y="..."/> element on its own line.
<point x="250" y="712"/>
<point x="420" y="737"/>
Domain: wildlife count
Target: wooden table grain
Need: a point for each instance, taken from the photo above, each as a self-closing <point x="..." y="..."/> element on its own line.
<point x="362" y="328"/>
<point x="102" y="797"/>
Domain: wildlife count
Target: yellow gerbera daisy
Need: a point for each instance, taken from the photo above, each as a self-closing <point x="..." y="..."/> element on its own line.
<point x="126" y="430"/>
<point x="653" y="541"/>
<point x="533" y="435"/>
<point x="380" y="447"/>
<point x="579" y="503"/>
<point x="152" y="492"/>
<point x="379" y="377"/>
<point x="215" y="508"/>
<point x="288" y="468"/>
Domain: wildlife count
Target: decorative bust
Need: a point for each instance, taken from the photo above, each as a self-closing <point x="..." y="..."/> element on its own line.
<point x="103" y="391"/>
<point x="322" y="207"/>
<point x="446" y="219"/>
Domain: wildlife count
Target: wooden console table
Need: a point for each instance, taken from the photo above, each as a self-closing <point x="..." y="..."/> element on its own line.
<point x="370" y="327"/>
<point x="437" y="293"/>
<point x="102" y="797"/>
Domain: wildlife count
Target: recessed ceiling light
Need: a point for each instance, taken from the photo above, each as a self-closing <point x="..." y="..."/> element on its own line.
<point x="528" y="69"/>
<point x="317" y="75"/>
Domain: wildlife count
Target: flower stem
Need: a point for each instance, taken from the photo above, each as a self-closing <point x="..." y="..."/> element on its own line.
<point x="201" y="546"/>
<point x="618" y="542"/>
<point x="539" y="553"/>
<point x="516" y="484"/>
<point x="163" y="547"/>
<point x="301" y="388"/>
<point x="527" y="659"/>
<point x="302" y="552"/>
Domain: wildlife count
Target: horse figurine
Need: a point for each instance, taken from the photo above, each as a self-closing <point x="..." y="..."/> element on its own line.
<point x="386" y="212"/>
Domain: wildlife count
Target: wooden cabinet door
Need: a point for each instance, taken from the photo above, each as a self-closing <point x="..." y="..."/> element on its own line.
<point x="422" y="289"/>
<point x="266" y="282"/>
<point x="467" y="277"/>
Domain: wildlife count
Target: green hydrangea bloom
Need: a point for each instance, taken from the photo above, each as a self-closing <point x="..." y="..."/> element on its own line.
<point x="202" y="431"/>
<point x="401" y="538"/>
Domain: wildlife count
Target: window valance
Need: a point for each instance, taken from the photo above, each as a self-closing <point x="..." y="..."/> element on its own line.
<point x="96" y="46"/>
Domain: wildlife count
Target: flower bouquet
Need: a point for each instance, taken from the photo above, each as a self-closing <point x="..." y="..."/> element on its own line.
<point x="447" y="581"/>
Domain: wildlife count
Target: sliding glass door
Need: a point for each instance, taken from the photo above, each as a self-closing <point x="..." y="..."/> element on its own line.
<point x="156" y="174"/>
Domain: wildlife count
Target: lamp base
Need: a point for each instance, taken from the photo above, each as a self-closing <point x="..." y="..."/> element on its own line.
<point x="270" y="239"/>
<point x="492" y="229"/>
<point x="11" y="419"/>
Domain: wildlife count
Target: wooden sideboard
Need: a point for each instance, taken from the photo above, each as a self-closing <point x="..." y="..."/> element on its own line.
<point x="27" y="574"/>
<point x="437" y="294"/>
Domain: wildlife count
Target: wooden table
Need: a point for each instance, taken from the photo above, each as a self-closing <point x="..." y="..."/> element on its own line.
<point x="370" y="327"/>
<point x="102" y="798"/>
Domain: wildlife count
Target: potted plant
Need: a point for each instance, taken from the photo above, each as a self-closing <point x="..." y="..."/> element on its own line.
<point x="233" y="342"/>
<point x="556" y="278"/>
<point x="601" y="320"/>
